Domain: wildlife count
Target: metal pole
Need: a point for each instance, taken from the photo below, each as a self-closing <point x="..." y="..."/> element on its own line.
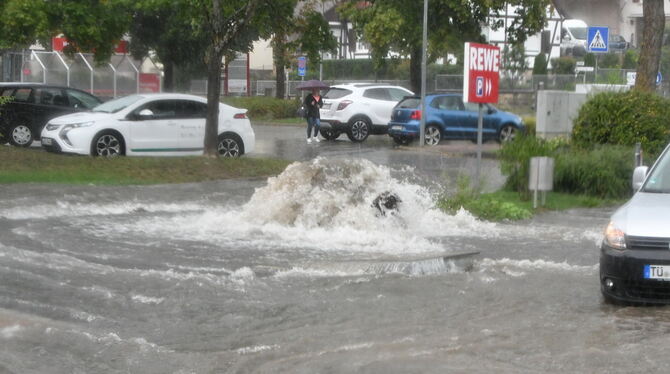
<point x="480" y="129"/>
<point x="422" y="126"/>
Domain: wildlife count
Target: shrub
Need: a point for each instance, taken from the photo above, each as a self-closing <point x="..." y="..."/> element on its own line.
<point x="630" y="59"/>
<point x="530" y="122"/>
<point x="515" y="159"/>
<point x="624" y="118"/>
<point x="564" y="65"/>
<point x="589" y="59"/>
<point x="609" y="61"/>
<point x="264" y="107"/>
<point x="540" y="64"/>
<point x="604" y="171"/>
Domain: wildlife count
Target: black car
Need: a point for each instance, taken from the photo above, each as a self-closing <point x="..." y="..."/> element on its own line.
<point x="617" y="43"/>
<point x="33" y="105"/>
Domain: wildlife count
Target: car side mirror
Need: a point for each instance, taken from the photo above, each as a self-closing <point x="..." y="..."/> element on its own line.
<point x="639" y="174"/>
<point x="491" y="111"/>
<point x="145" y="114"/>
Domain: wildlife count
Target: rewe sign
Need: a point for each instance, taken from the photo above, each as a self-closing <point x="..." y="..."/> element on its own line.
<point x="481" y="73"/>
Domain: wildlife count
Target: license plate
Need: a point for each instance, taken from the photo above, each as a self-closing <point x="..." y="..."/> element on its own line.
<point x="657" y="272"/>
<point x="46" y="141"/>
<point x="326" y="106"/>
<point x="396" y="127"/>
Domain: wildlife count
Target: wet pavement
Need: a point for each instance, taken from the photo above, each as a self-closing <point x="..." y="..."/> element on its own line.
<point x="300" y="274"/>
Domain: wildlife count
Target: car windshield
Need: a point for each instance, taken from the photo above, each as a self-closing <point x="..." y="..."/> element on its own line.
<point x="659" y="179"/>
<point x="336" y="93"/>
<point x="116" y="105"/>
<point x="579" y="32"/>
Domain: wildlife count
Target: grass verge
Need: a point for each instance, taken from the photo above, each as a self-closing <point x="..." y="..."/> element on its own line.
<point x="21" y="165"/>
<point x="508" y="205"/>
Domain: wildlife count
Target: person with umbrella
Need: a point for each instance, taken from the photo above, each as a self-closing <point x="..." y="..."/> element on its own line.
<point x="313" y="103"/>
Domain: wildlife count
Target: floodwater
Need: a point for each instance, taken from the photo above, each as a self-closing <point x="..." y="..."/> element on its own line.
<point x="300" y="274"/>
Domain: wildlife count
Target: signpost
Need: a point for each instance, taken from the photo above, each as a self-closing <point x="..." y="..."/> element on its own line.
<point x="302" y="66"/>
<point x="481" y="82"/>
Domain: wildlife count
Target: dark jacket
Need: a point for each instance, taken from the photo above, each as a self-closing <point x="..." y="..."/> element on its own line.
<point x="312" y="106"/>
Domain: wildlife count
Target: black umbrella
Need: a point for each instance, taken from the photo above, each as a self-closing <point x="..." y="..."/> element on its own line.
<point x="312" y="84"/>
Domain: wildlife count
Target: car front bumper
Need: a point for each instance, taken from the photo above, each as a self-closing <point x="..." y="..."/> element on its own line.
<point x="625" y="268"/>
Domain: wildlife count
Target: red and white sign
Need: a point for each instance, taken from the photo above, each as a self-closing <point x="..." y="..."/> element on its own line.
<point x="59" y="43"/>
<point x="150" y="82"/>
<point x="481" y="73"/>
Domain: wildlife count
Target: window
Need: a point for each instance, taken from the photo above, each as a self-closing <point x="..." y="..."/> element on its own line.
<point x="80" y="99"/>
<point x="191" y="109"/>
<point x="336" y="93"/>
<point x="410" y="102"/>
<point x="50" y="96"/>
<point x="447" y="103"/>
<point x="162" y="109"/>
<point x="397" y="94"/>
<point x="23" y="95"/>
<point x="377" y="94"/>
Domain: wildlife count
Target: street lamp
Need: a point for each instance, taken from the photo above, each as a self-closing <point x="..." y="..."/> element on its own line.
<point x="422" y="125"/>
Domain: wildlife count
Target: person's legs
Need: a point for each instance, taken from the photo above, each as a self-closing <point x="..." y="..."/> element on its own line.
<point x="310" y="123"/>
<point x="317" y="125"/>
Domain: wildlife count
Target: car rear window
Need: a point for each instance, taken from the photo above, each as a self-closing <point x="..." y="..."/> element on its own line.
<point x="336" y="93"/>
<point x="410" y="102"/>
<point x="22" y="95"/>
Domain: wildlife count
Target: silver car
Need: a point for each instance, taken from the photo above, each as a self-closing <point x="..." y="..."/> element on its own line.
<point x="635" y="253"/>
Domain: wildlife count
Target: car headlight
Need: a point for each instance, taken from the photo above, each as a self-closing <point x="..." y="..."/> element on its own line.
<point x="67" y="128"/>
<point x="51" y="126"/>
<point x="614" y="237"/>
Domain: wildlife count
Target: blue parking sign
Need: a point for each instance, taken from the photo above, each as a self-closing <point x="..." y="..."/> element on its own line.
<point x="302" y="66"/>
<point x="598" y="39"/>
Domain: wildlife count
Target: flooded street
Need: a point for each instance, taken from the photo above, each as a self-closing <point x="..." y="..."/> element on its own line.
<point x="300" y="274"/>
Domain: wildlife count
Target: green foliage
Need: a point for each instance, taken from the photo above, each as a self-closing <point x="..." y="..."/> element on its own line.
<point x="609" y="61"/>
<point x="396" y="26"/>
<point x="530" y="122"/>
<point x="540" y="64"/>
<point x="487" y="207"/>
<point x="624" y="118"/>
<point x="260" y="107"/>
<point x="630" y="59"/>
<point x="604" y="171"/>
<point x="515" y="159"/>
<point x="564" y="65"/>
<point x="590" y="59"/>
<point x="611" y="77"/>
<point x="391" y="69"/>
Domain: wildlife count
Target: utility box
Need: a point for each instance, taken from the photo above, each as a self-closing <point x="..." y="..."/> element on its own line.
<point x="541" y="177"/>
<point x="556" y="111"/>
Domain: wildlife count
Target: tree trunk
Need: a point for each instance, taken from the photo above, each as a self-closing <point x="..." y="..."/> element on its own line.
<point x="168" y="77"/>
<point x="415" y="70"/>
<point x="650" y="50"/>
<point x="279" y="51"/>
<point x="213" y="95"/>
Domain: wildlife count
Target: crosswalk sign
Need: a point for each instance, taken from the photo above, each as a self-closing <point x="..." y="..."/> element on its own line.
<point x="598" y="39"/>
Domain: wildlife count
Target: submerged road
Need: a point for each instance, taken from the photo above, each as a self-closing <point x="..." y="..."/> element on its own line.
<point x="299" y="274"/>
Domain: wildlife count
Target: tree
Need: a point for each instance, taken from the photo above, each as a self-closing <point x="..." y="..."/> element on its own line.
<point x="307" y="33"/>
<point x="513" y="64"/>
<point x="653" y="16"/>
<point x="164" y="28"/>
<point x="396" y="26"/>
<point x="95" y="26"/>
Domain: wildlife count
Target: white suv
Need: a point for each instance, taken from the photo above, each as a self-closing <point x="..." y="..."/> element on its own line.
<point x="359" y="109"/>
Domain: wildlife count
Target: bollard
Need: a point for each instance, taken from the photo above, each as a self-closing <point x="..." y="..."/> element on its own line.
<point x="541" y="177"/>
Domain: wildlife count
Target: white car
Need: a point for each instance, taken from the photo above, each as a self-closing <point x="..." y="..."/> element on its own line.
<point x="359" y="109"/>
<point x="164" y="124"/>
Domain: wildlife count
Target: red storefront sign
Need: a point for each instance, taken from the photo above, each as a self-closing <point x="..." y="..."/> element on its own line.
<point x="481" y="73"/>
<point x="150" y="82"/>
<point x="59" y="43"/>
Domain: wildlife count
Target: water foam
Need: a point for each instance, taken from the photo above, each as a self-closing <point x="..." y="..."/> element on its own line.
<point x="80" y="209"/>
<point x="325" y="205"/>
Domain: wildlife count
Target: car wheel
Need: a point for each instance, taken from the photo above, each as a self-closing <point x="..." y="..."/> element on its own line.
<point x="433" y="135"/>
<point x="108" y="144"/>
<point x="329" y="134"/>
<point x="507" y="133"/>
<point x="230" y="145"/>
<point x="359" y="129"/>
<point x="21" y="135"/>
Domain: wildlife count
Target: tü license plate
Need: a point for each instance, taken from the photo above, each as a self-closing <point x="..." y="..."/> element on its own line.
<point x="46" y="141"/>
<point x="657" y="272"/>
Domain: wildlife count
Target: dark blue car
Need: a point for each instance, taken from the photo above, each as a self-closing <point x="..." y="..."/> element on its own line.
<point x="447" y="117"/>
